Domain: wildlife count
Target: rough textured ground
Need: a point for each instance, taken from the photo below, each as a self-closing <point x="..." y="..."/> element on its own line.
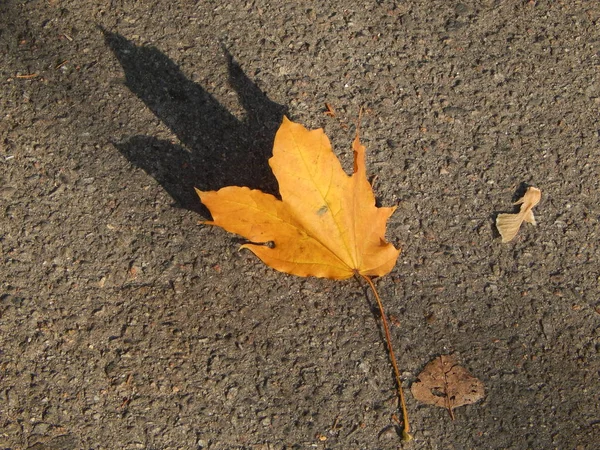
<point x="125" y="324"/>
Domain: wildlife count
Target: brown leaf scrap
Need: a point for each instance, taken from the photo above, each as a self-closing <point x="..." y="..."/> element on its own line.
<point x="445" y="384"/>
<point x="508" y="224"/>
<point x="330" y="111"/>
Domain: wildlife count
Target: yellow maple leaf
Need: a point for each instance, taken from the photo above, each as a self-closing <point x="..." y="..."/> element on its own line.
<point x="326" y="223"/>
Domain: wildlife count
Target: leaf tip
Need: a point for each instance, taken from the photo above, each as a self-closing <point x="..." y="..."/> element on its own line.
<point x="199" y="192"/>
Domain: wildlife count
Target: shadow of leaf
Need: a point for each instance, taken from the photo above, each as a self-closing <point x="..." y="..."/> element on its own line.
<point x="217" y="149"/>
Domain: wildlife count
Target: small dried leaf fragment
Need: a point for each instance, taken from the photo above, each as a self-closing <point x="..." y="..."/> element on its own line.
<point x="330" y="111"/>
<point x="508" y="224"/>
<point x="445" y="384"/>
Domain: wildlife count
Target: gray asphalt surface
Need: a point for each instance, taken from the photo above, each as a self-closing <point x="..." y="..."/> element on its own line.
<point x="126" y="324"/>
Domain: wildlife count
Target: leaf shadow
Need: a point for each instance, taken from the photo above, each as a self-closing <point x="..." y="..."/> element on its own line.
<point x="216" y="148"/>
<point x="370" y="304"/>
<point x="373" y="307"/>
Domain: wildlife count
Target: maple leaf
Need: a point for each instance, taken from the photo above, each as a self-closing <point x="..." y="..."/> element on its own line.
<point x="326" y="223"/>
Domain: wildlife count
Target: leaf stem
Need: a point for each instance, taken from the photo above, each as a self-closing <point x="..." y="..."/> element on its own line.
<point x="406" y="436"/>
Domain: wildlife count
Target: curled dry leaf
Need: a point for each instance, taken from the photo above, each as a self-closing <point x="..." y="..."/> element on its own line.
<point x="508" y="224"/>
<point x="445" y="384"/>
